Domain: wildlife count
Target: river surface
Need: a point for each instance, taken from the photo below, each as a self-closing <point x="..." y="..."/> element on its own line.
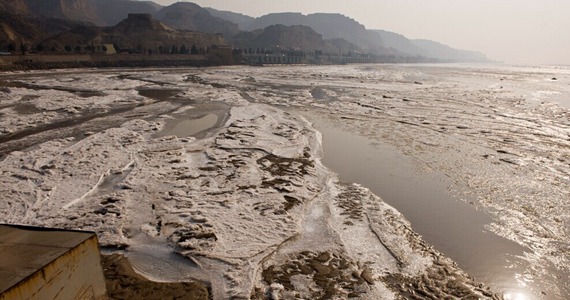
<point x="452" y="226"/>
<point x="431" y="169"/>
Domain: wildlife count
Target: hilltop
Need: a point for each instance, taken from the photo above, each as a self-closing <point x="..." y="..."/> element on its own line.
<point x="190" y="16"/>
<point x="330" y="26"/>
<point x="296" y="37"/>
<point x="427" y="48"/>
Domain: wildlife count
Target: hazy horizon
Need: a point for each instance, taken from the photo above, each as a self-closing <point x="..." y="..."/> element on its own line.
<point x="522" y="32"/>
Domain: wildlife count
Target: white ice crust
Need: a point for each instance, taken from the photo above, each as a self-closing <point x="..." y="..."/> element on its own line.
<point x="254" y="194"/>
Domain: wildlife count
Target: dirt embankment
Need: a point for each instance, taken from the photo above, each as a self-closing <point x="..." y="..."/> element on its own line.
<point x="35" y="62"/>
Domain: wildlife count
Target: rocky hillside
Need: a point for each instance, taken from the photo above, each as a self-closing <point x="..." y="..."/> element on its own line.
<point x="138" y="33"/>
<point x="21" y="31"/>
<point x="284" y="38"/>
<point x="444" y="52"/>
<point x="347" y="34"/>
<point x="243" y="22"/>
<point x="330" y="26"/>
<point x="16" y="31"/>
<point x="111" y="12"/>
<point x="98" y="12"/>
<point x="400" y="43"/>
<point x="189" y="16"/>
<point x="13" y="6"/>
<point x="49" y="26"/>
<point x="427" y="48"/>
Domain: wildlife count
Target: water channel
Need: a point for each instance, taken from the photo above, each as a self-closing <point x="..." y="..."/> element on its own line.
<point x="453" y="226"/>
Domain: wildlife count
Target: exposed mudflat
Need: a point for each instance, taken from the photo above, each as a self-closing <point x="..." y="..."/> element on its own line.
<point x="123" y="282"/>
<point x="210" y="176"/>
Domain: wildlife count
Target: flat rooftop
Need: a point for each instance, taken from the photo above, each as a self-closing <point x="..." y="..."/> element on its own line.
<point x="25" y="250"/>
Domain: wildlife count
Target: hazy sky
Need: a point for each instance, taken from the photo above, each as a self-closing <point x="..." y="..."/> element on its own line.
<point x="515" y="31"/>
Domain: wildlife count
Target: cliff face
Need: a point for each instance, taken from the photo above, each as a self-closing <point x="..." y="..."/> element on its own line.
<point x="111" y="12"/>
<point x="400" y="43"/>
<point x="138" y="33"/>
<point x="330" y="26"/>
<point x="189" y="16"/>
<point x="242" y="21"/>
<point x="444" y="52"/>
<point x="140" y="23"/>
<point x="297" y="38"/>
<point x="427" y="48"/>
<point x="300" y="37"/>
<point x="18" y="27"/>
<point x="13" y="6"/>
<point x="283" y="37"/>
<point x="98" y="12"/>
<point x="84" y="10"/>
<point x="15" y="30"/>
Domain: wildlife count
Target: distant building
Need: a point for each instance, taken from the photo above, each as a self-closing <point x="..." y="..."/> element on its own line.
<point x="44" y="263"/>
<point x="92" y="49"/>
<point x="109" y="49"/>
<point x="221" y="54"/>
<point x="264" y="59"/>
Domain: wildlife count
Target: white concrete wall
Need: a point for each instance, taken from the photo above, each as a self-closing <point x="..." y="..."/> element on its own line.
<point x="76" y="274"/>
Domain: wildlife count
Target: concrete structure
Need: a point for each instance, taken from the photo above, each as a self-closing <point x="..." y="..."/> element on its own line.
<point x="221" y="54"/>
<point x="264" y="59"/>
<point x="39" y="263"/>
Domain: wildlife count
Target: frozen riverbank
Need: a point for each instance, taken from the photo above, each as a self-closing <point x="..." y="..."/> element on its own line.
<point x="250" y="208"/>
<point x="250" y="204"/>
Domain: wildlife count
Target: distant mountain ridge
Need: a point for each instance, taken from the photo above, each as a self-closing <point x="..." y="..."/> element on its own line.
<point x="139" y="32"/>
<point x="30" y="22"/>
<point x="98" y="12"/>
<point x="296" y="37"/>
<point x="243" y="22"/>
<point x="190" y="16"/>
<point x="330" y="26"/>
<point x="399" y="43"/>
<point x="427" y="48"/>
<point x="357" y="38"/>
<point x="444" y="52"/>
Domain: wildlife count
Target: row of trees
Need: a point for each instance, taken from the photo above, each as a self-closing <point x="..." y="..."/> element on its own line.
<point x="174" y="49"/>
<point x="139" y="49"/>
<point x="85" y="49"/>
<point x="14" y="48"/>
<point x="23" y="48"/>
<point x="295" y="53"/>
